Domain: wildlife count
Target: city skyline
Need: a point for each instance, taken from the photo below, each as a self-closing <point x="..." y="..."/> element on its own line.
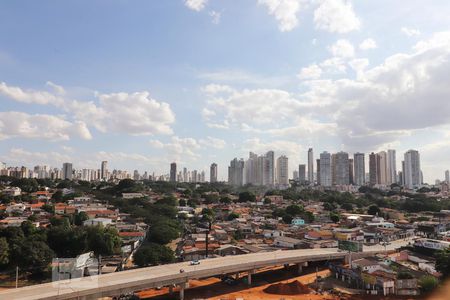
<point x="223" y="80"/>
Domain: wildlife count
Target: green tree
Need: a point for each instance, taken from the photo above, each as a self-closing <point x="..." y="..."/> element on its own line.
<point x="334" y="217"/>
<point x="163" y="232"/>
<point x="153" y="254"/>
<point x="57" y="196"/>
<point x="182" y="202"/>
<point x="35" y="256"/>
<point x="232" y="216"/>
<point x="48" y="208"/>
<point x="443" y="262"/>
<point x="4" y="251"/>
<point x="373" y="210"/>
<point x="80" y="217"/>
<point x="294" y="210"/>
<point x="347" y="206"/>
<point x="428" y="283"/>
<point x="103" y="240"/>
<point x="247" y="197"/>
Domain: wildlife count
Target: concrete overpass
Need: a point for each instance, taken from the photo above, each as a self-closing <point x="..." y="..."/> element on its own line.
<point x="124" y="282"/>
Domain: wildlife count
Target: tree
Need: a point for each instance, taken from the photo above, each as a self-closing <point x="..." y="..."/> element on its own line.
<point x="49" y="208"/>
<point x="232" y="216"/>
<point x="35" y="256"/>
<point x="57" y="196"/>
<point x="373" y="210"/>
<point x="103" y="240"/>
<point x="182" y="202"/>
<point x="4" y="251"/>
<point x="287" y="218"/>
<point x="163" y="232"/>
<point x="267" y="201"/>
<point x="247" y="197"/>
<point x="153" y="254"/>
<point x="427" y="283"/>
<point x="334" y="217"/>
<point x="329" y="206"/>
<point x="225" y="200"/>
<point x="294" y="210"/>
<point x="443" y="262"/>
<point x="80" y="217"/>
<point x="347" y="206"/>
<point x="404" y="275"/>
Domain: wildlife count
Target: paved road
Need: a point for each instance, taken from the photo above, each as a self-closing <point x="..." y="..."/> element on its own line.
<point x="144" y="278"/>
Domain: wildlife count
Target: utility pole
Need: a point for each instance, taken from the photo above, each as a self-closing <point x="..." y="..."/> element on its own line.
<point x="207" y="233"/>
<point x="17" y="276"/>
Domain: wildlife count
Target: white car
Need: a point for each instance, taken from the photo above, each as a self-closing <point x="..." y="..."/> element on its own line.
<point x="194" y="262"/>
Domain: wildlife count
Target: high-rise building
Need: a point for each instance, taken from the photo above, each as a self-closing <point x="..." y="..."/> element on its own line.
<point x="104" y="170"/>
<point x="351" y="177"/>
<point x="447" y="176"/>
<point x="391" y="167"/>
<point x="194" y="176"/>
<point x="185" y="175"/>
<point x="236" y="172"/>
<point x="213" y="173"/>
<point x="342" y="168"/>
<point x="318" y="171"/>
<point x="173" y="172"/>
<point x="67" y="172"/>
<point x="333" y="169"/>
<point x="412" y="172"/>
<point x="302" y="173"/>
<point x="136" y="175"/>
<point x="310" y="166"/>
<point x="359" y="169"/>
<point x="325" y="169"/>
<point x="382" y="168"/>
<point x="295" y="175"/>
<point x="282" y="170"/>
<point x="269" y="169"/>
<point x="373" y="169"/>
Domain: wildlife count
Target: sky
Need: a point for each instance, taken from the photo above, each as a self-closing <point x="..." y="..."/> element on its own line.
<point x="143" y="83"/>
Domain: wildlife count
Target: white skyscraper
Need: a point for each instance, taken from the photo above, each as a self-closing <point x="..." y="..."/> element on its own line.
<point x="447" y="176"/>
<point x="310" y="166"/>
<point x="342" y="169"/>
<point x="269" y="169"/>
<point x="325" y="169"/>
<point x="412" y="172"/>
<point x="360" y="169"/>
<point x="391" y="167"/>
<point x="382" y="167"/>
<point x="67" y="171"/>
<point x="104" y="170"/>
<point x="213" y="173"/>
<point x="282" y="170"/>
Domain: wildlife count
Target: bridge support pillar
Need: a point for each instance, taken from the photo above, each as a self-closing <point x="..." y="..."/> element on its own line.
<point x="170" y="289"/>
<point x="236" y="276"/>
<point x="299" y="268"/>
<point x="249" y="276"/>
<point x="182" y="287"/>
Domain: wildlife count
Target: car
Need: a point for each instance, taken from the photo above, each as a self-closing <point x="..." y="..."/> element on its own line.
<point x="194" y="262"/>
<point x="181" y="271"/>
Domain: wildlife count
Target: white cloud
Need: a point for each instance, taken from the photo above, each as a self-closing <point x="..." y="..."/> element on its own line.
<point x="215" y="16"/>
<point x="284" y="11"/>
<point x="30" y="96"/>
<point x="368" y="44"/>
<point x="410" y="31"/>
<point x="342" y="48"/>
<point x="136" y="114"/>
<point x="196" y="5"/>
<point x="18" y="124"/>
<point x="336" y="16"/>
<point x="213" y="142"/>
<point x="129" y="113"/>
<point x="311" y="72"/>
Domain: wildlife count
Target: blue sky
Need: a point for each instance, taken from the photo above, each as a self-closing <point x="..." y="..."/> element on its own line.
<point x="144" y="83"/>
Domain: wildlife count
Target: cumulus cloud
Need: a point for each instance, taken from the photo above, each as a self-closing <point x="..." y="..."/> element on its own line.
<point x="196" y="5"/>
<point x="29" y="96"/>
<point x="311" y="72"/>
<point x="136" y="114"/>
<point x="18" y="124"/>
<point x="410" y="31"/>
<point x="213" y="142"/>
<point x="129" y="113"/>
<point x="336" y="16"/>
<point x="342" y="48"/>
<point x="215" y="16"/>
<point x="284" y="11"/>
<point x="368" y="44"/>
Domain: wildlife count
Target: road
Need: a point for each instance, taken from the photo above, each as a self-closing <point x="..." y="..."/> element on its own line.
<point x="164" y="275"/>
